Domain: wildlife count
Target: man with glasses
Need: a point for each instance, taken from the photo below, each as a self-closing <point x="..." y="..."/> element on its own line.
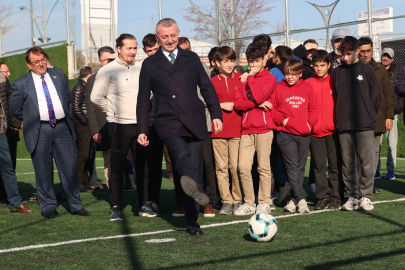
<point x="41" y="98"/>
<point x="97" y="119"/>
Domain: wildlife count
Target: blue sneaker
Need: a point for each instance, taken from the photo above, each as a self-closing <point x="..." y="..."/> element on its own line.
<point x="116" y="214"/>
<point x="377" y="175"/>
<point x="146" y="210"/>
<point x="390" y="175"/>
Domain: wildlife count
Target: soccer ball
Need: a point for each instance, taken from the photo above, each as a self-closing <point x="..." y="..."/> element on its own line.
<point x="262" y="227"/>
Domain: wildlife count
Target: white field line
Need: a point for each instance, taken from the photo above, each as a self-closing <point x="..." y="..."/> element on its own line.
<point x="53" y="171"/>
<point x="161" y="232"/>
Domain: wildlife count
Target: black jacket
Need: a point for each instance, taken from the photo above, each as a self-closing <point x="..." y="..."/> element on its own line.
<point x="358" y="97"/>
<point x="178" y="110"/>
<point x="301" y="52"/>
<point x="398" y="101"/>
<point x="78" y="102"/>
<point x="11" y="122"/>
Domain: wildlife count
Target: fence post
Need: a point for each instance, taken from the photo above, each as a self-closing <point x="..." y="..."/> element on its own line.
<point x="370" y="20"/>
<point x="287" y="25"/>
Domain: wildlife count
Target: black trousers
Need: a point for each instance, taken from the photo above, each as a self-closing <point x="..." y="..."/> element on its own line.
<point x="186" y="154"/>
<point x="149" y="180"/>
<point x="85" y="154"/>
<point x="294" y="151"/>
<point x="207" y="177"/>
<point x="12" y="145"/>
<point x="122" y="138"/>
<point x="327" y="149"/>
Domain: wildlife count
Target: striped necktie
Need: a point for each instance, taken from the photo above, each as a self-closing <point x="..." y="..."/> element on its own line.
<point x="51" y="112"/>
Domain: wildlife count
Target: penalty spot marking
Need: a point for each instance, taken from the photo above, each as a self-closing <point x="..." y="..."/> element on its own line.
<point x="162" y="231"/>
<point x="163" y="240"/>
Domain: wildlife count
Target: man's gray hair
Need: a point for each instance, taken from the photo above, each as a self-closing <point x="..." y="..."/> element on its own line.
<point x="166" y="22"/>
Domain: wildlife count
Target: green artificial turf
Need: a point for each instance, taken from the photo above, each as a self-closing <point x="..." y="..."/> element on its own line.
<point x="329" y="240"/>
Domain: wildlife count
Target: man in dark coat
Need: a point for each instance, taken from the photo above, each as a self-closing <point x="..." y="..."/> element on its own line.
<point x="387" y="59"/>
<point x="385" y="113"/>
<point x="305" y="51"/>
<point x="173" y="75"/>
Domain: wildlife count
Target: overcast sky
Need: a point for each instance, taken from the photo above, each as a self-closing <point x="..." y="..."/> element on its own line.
<point x="135" y="17"/>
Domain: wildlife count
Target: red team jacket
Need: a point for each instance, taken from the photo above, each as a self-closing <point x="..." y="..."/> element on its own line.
<point x="299" y="104"/>
<point x="324" y="90"/>
<point x="256" y="90"/>
<point x="226" y="89"/>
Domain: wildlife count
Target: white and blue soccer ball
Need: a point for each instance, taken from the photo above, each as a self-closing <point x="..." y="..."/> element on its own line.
<point x="262" y="227"/>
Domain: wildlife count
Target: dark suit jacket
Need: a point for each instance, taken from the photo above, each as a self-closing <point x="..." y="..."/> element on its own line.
<point x="97" y="119"/>
<point x="24" y="104"/>
<point x="178" y="110"/>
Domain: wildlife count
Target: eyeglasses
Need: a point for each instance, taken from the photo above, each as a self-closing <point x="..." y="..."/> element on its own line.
<point x="109" y="60"/>
<point x="37" y="63"/>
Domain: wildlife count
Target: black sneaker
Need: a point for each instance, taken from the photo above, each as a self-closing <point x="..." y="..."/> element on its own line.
<point x="334" y="204"/>
<point x="146" y="210"/>
<point x="322" y="204"/>
<point x="115" y="214"/>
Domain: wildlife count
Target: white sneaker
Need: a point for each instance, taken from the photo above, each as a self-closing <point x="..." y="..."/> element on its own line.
<point x="312" y="187"/>
<point x="245" y="210"/>
<point x="291" y="206"/>
<point x="350" y="205"/>
<point x="303" y="207"/>
<point x="263" y="208"/>
<point x="365" y="204"/>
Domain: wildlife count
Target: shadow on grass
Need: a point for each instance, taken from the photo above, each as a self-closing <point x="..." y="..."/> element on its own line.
<point x="329" y="265"/>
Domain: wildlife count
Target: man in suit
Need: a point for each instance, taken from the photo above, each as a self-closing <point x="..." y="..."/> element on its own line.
<point x="173" y="74"/>
<point x="41" y="98"/>
<point x="97" y="118"/>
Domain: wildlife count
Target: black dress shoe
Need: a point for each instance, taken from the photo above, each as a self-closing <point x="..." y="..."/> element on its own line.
<point x="376" y="191"/>
<point x="82" y="212"/>
<point x="321" y="204"/>
<point x="194" y="229"/>
<point x="334" y="204"/>
<point x="49" y="214"/>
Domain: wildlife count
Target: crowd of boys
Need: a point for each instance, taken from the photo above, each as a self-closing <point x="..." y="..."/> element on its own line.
<point x="337" y="105"/>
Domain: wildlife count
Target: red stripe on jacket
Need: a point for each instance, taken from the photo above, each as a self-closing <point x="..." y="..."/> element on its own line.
<point x="324" y="90"/>
<point x="252" y="93"/>
<point x="226" y="89"/>
<point x="298" y="104"/>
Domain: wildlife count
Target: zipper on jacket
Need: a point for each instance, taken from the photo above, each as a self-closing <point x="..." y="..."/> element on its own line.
<point x="226" y="82"/>
<point x="245" y="118"/>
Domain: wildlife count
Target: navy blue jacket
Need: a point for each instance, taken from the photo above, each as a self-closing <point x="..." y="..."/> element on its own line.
<point x="24" y="104"/>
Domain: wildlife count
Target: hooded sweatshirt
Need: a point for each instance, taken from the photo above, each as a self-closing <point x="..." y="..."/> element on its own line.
<point x="226" y="89"/>
<point x="252" y="93"/>
<point x="297" y="103"/>
<point x="326" y="99"/>
<point x="115" y="91"/>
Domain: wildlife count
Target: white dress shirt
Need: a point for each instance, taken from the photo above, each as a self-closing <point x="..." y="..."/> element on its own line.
<point x="42" y="104"/>
<point x="166" y="53"/>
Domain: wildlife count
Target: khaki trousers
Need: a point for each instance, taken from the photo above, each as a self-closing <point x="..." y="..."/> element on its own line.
<point x="261" y="144"/>
<point x="226" y="153"/>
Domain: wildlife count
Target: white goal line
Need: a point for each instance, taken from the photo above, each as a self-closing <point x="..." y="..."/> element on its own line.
<point x="162" y="231"/>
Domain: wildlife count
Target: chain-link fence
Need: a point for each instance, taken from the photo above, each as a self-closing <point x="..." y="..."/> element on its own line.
<point x="398" y="45"/>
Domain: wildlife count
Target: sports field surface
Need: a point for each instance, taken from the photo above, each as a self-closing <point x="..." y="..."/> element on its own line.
<point x="320" y="240"/>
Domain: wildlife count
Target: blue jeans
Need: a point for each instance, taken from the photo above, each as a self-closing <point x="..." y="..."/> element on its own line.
<point x="8" y="174"/>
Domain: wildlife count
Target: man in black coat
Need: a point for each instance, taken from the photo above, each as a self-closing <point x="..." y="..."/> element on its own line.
<point x="305" y="52"/>
<point x="173" y="74"/>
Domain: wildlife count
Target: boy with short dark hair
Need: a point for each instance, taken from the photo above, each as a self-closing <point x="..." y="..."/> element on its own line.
<point x="325" y="140"/>
<point x="252" y="98"/>
<point x="358" y="97"/>
<point x="226" y="143"/>
<point x="281" y="55"/>
<point x="295" y="114"/>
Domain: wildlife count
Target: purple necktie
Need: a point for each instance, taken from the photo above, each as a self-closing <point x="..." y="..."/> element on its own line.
<point x="51" y="112"/>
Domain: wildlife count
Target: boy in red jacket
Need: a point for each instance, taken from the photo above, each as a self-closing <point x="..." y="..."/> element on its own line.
<point x="226" y="143"/>
<point x="253" y="98"/>
<point x="325" y="139"/>
<point x="295" y="114"/>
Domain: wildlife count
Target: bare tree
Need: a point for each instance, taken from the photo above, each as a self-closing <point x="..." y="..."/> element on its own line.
<point x="5" y="13"/>
<point x="280" y="26"/>
<point x="247" y="20"/>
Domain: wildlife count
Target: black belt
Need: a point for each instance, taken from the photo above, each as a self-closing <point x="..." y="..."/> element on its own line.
<point x="57" y="120"/>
